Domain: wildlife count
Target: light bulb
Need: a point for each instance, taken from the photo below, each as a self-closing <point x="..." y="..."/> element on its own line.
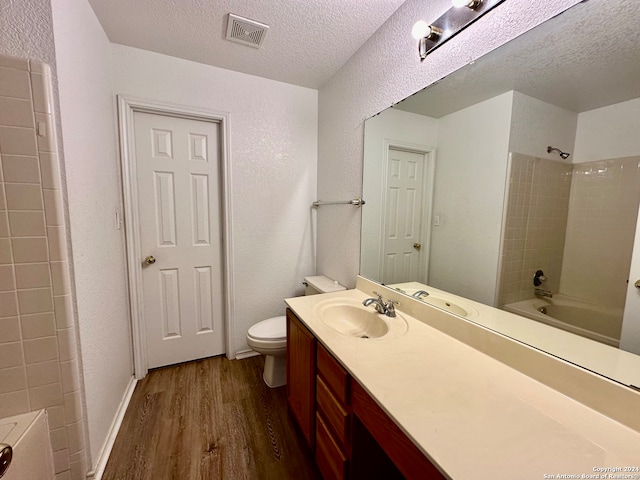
<point x="420" y="29"/>
<point x="472" y="4"/>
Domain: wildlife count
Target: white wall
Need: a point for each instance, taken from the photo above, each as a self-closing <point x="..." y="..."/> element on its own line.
<point x="409" y="129"/>
<point x="26" y="30"/>
<point x="608" y="132"/>
<point x="93" y="185"/>
<point x="469" y="198"/>
<point x="273" y="130"/>
<point x="385" y="70"/>
<point x="536" y="124"/>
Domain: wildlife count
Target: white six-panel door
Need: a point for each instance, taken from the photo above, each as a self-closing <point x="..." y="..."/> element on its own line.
<point x="178" y="170"/>
<point x="402" y="247"/>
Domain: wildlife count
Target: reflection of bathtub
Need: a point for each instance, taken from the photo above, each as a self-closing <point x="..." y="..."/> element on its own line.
<point x="590" y="320"/>
<point x="28" y="435"/>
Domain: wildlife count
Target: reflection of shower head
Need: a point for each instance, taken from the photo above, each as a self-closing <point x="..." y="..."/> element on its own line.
<point x="564" y="155"/>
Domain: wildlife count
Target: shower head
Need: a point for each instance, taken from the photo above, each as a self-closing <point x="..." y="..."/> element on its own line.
<point x="563" y="155"/>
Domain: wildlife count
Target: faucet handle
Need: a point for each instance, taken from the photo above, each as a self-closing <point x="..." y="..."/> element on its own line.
<point x="539" y="278"/>
<point x="378" y="294"/>
<point x="389" y="307"/>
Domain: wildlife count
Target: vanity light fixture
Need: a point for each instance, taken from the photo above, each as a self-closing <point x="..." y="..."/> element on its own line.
<point x="450" y="23"/>
<point x="423" y="32"/>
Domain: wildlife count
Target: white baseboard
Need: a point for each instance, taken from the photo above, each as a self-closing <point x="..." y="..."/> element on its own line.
<point x="103" y="456"/>
<point x="242" y="354"/>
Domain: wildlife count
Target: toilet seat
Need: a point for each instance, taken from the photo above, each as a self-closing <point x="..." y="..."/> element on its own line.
<point x="270" y="330"/>
<point x="269" y="337"/>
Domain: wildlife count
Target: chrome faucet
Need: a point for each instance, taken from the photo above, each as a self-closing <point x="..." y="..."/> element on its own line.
<point x="540" y="292"/>
<point x="378" y="304"/>
<point x="420" y="294"/>
<point x="387" y="309"/>
<point x="390" y="308"/>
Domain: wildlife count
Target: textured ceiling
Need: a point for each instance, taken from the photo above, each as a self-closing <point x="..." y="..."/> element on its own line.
<point x="567" y="61"/>
<point x="308" y="40"/>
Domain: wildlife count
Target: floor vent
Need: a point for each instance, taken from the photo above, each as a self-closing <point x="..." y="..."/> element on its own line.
<point x="245" y="31"/>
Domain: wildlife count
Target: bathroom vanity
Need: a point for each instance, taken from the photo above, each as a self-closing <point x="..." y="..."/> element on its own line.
<point x="351" y="435"/>
<point x="435" y="396"/>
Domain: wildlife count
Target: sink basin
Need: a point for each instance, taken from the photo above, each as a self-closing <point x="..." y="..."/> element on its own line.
<point x="354" y="321"/>
<point x="437" y="299"/>
<point x="446" y="304"/>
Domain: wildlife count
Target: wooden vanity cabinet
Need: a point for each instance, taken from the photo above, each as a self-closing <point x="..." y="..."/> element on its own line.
<point x="408" y="461"/>
<point x="351" y="435"/>
<point x="301" y="376"/>
<point x="333" y="417"/>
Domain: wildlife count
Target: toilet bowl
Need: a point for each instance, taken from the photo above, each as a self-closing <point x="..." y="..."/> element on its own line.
<point x="269" y="337"/>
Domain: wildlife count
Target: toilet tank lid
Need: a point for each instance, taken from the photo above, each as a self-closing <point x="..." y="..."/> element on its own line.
<point x="271" y="328"/>
<point x="324" y="284"/>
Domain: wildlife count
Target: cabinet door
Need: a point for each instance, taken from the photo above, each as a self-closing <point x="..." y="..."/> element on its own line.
<point x="330" y="459"/>
<point x="301" y="376"/>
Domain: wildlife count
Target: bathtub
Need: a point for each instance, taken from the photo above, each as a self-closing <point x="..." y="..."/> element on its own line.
<point x="28" y="435"/>
<point x="590" y="320"/>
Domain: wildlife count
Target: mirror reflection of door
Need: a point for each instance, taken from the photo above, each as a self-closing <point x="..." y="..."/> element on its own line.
<point x="407" y="195"/>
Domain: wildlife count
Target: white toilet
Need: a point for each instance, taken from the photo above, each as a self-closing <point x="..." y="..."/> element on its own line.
<point x="269" y="337"/>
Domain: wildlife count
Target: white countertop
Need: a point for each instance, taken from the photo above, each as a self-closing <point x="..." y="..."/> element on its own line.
<point x="473" y="416"/>
<point x="611" y="362"/>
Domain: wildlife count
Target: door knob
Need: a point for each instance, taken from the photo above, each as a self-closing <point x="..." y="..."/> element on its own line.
<point x="150" y="260"/>
<point x="417" y="246"/>
<point x="637" y="284"/>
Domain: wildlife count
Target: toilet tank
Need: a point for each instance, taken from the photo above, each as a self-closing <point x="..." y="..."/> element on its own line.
<point x="321" y="284"/>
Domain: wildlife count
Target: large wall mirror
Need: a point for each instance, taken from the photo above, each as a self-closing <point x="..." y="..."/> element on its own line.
<point x="525" y="161"/>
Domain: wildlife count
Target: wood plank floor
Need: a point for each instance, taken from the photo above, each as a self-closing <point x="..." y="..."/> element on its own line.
<point x="209" y="419"/>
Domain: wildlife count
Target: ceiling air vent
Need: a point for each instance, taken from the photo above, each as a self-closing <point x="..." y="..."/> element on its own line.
<point x="245" y="31"/>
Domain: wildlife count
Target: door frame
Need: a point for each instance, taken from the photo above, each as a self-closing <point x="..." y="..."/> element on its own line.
<point x="127" y="107"/>
<point x="428" y="184"/>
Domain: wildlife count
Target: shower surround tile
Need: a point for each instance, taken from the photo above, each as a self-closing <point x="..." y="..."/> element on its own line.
<point x="18" y="141"/>
<point x="602" y="220"/>
<point x="38" y="352"/>
<point x="7" y="280"/>
<point x="534" y="234"/>
<point x="20" y="169"/>
<point x="574" y="222"/>
<point x="16" y="112"/>
<point x="33" y="275"/>
<point x="27" y="224"/>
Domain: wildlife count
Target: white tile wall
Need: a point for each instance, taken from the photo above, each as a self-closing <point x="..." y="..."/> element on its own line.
<point x="38" y="353"/>
<point x="601" y="228"/>
<point x="576" y="223"/>
<point x="534" y="234"/>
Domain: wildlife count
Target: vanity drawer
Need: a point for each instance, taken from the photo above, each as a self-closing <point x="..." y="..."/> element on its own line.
<point x="335" y="415"/>
<point x="333" y="464"/>
<point x="334" y="375"/>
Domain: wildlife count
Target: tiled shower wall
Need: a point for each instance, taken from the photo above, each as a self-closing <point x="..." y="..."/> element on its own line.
<point x="574" y="222"/>
<point x="535" y="224"/>
<point x="602" y="221"/>
<point x="38" y="354"/>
